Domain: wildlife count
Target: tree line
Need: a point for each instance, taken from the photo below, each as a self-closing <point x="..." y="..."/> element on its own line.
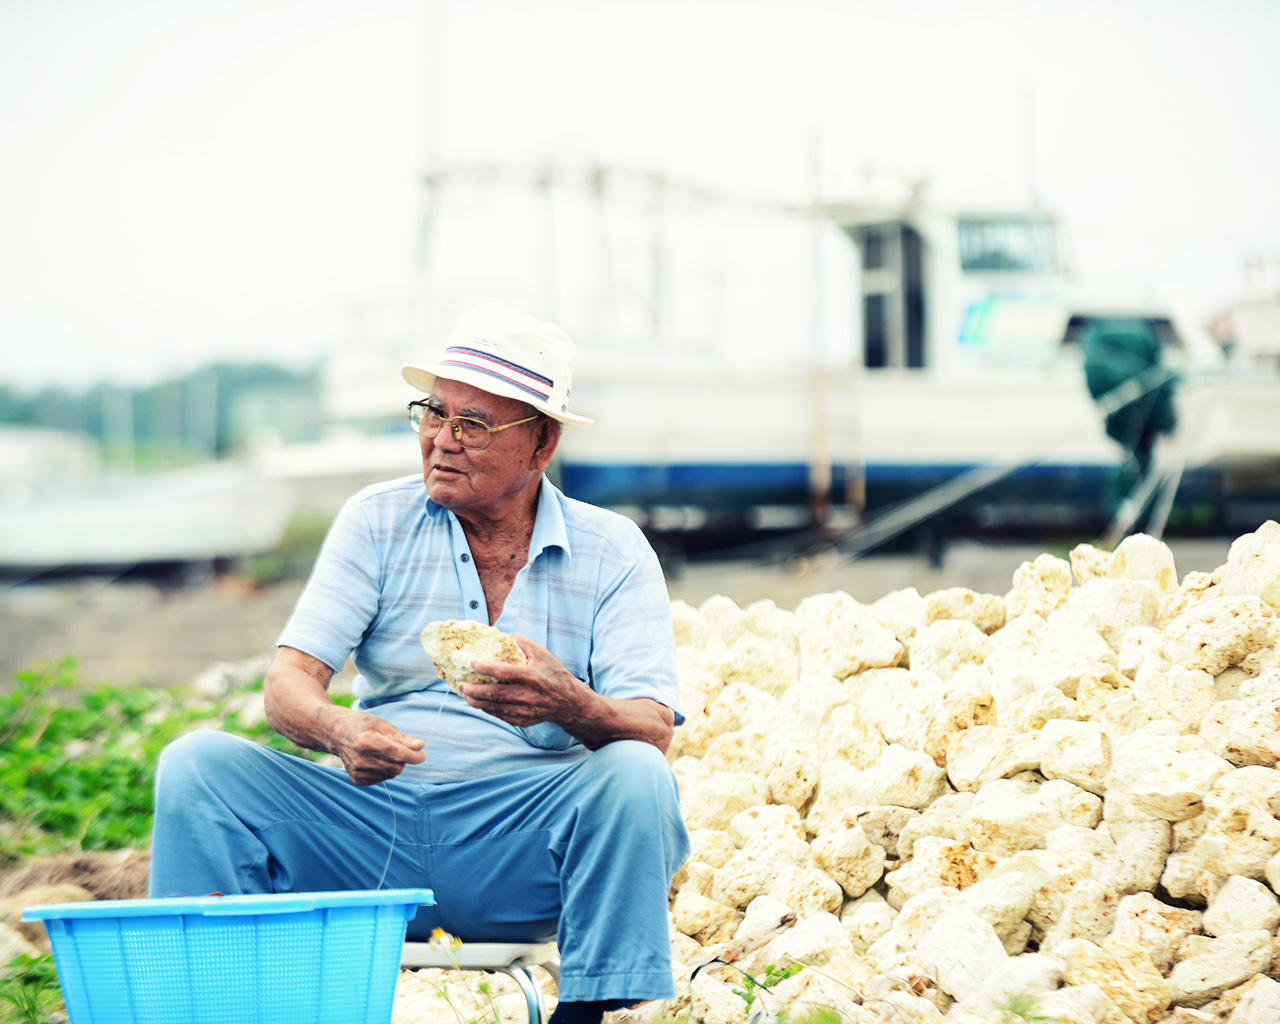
<point x="209" y="412"/>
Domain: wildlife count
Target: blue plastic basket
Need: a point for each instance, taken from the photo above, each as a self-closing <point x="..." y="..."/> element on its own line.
<point x="287" y="958"/>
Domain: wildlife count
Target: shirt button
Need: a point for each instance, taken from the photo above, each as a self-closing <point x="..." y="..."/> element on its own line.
<point x="475" y="604"/>
<point x="466" y="557"/>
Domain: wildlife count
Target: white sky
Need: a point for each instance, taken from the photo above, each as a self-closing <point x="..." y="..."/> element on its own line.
<point x="185" y="180"/>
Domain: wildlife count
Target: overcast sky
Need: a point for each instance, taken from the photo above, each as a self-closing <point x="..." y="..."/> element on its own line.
<point x="186" y="180"/>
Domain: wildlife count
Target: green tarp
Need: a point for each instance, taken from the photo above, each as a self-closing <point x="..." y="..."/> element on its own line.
<point x="1118" y="351"/>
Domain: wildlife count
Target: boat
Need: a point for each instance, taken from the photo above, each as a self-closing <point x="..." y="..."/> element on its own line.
<point x="963" y="409"/>
<point x="61" y="511"/>
<point x="970" y="373"/>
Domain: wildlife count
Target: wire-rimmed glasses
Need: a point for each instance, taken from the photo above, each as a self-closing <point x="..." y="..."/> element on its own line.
<point x="467" y="430"/>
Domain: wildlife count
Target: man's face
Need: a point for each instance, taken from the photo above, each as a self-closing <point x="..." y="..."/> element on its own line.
<point x="487" y="481"/>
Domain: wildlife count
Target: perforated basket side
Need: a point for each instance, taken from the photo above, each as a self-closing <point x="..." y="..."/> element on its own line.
<point x="331" y="965"/>
<point x="361" y="962"/>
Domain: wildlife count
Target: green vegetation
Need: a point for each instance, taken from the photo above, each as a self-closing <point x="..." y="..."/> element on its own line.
<point x="773" y="975"/>
<point x="77" y="763"/>
<point x="77" y="770"/>
<point x="29" y="991"/>
<point x="819" y="1015"/>
<point x="206" y="412"/>
<point x="480" y="1007"/>
<point x="1025" y="1009"/>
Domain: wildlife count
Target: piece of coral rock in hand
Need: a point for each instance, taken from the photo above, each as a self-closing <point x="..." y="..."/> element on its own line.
<point x="453" y="644"/>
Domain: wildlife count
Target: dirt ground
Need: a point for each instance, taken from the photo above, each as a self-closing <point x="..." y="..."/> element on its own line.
<point x="125" y="633"/>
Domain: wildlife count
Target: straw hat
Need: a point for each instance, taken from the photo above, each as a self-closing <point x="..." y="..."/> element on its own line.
<point x="506" y="352"/>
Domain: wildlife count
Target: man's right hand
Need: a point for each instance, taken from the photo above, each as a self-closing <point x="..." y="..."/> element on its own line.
<point x="371" y="748"/>
<point x="298" y="706"/>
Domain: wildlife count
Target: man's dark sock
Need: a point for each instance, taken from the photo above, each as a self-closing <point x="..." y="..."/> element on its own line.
<point x="580" y="1013"/>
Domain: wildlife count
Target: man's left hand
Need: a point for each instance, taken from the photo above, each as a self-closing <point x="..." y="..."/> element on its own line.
<point x="543" y="690"/>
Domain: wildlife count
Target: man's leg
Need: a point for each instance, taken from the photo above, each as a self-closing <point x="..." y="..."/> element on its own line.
<point x="592" y="845"/>
<point x="596" y="842"/>
<point x="236" y="817"/>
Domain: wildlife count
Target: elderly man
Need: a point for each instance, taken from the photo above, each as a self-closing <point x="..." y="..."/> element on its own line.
<point x="538" y="805"/>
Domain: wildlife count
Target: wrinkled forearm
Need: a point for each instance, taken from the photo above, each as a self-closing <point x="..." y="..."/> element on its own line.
<point x="298" y="706"/>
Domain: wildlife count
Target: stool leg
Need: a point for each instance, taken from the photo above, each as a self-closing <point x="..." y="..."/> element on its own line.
<point x="523" y="977"/>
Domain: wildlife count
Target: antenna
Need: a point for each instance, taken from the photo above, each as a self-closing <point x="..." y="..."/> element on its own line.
<point x="431" y="128"/>
<point x="1029" y="143"/>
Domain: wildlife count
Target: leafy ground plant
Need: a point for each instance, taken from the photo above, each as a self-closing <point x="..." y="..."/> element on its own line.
<point x="77" y="771"/>
<point x="29" y="992"/>
<point x="482" y="1009"/>
<point x="1025" y="1009"/>
<point x="773" y="975"/>
<point x="77" y="762"/>
<point x="818" y="1015"/>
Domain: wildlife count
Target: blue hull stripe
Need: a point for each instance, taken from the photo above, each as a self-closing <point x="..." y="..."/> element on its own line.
<point x="736" y="486"/>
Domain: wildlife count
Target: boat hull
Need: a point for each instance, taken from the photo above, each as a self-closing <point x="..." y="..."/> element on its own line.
<point x="1006" y="453"/>
<point x="202" y="514"/>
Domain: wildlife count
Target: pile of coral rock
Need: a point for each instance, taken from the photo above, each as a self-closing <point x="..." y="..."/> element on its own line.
<point x="1060" y="802"/>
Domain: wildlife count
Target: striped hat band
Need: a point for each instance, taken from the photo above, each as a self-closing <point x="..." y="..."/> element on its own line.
<point x="503" y="369"/>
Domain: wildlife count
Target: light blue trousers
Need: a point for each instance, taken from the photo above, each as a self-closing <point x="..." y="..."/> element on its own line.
<point x="584" y="851"/>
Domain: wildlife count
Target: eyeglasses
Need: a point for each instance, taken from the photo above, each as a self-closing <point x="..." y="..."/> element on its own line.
<point x="467" y="431"/>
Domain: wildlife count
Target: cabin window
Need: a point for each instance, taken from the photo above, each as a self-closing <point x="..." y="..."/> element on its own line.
<point x="1008" y="243"/>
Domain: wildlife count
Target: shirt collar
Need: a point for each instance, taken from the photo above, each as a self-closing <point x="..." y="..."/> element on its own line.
<point x="549" y="527"/>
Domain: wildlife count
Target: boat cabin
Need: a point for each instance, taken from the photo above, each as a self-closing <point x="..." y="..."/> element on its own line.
<point x="942" y="290"/>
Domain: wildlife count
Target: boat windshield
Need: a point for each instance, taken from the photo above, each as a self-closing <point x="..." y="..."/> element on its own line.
<point x="1006" y="243"/>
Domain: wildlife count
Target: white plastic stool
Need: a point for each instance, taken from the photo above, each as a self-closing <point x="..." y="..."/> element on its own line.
<point x="515" y="959"/>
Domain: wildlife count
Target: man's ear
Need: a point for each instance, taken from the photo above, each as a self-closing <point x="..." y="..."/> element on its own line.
<point x="548" y="438"/>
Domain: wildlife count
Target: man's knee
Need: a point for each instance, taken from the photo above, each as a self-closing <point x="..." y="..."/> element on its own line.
<point x="625" y="756"/>
<point x="632" y="768"/>
<point x="638" y="794"/>
<point x="205" y="754"/>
